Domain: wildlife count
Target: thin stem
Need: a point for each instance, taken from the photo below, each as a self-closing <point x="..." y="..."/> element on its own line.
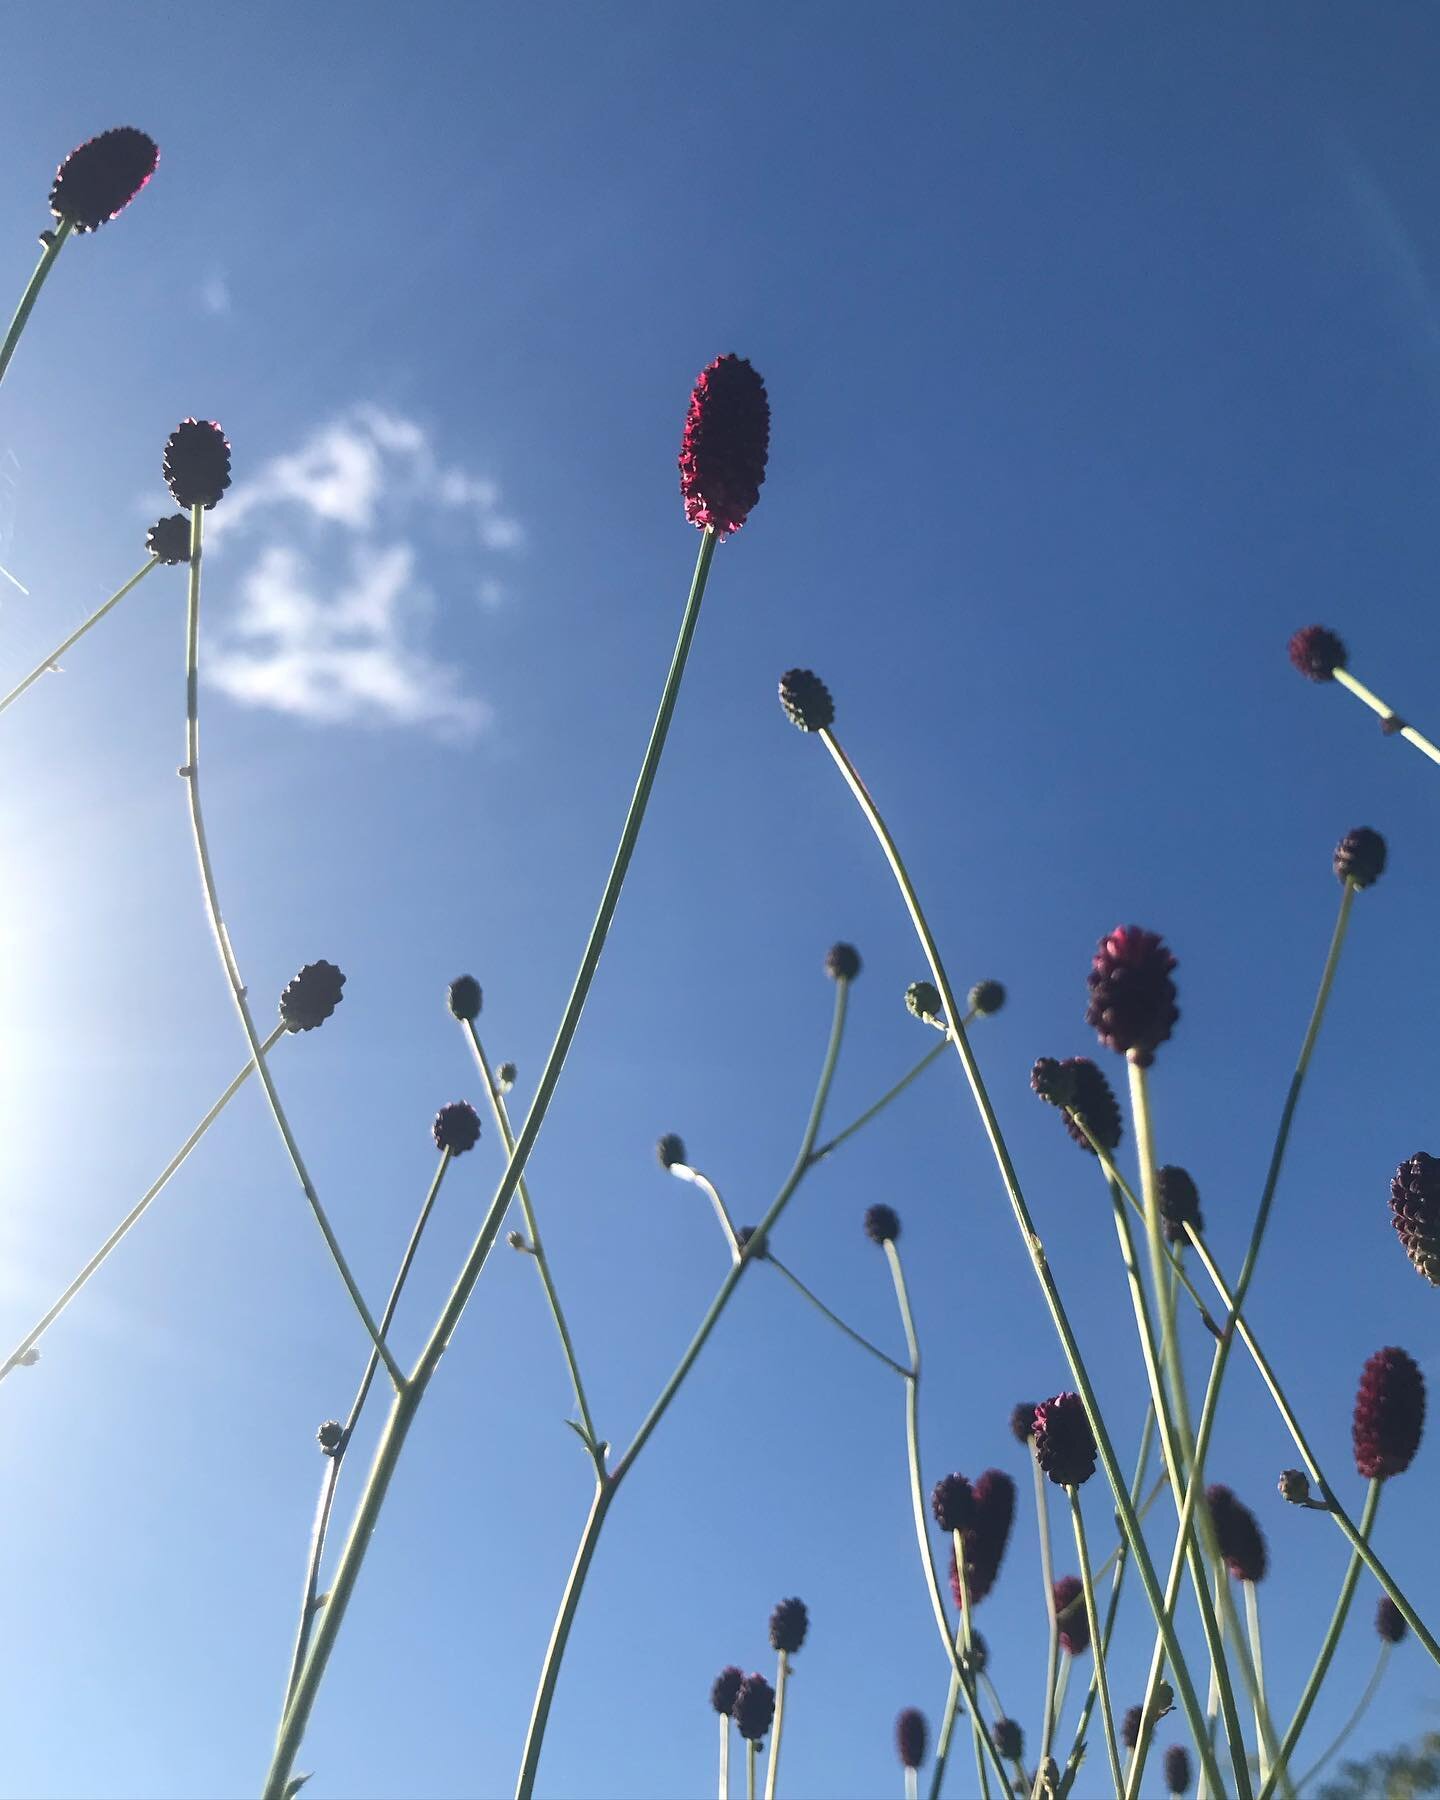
<point x="1097" y="1642"/>
<point x="967" y="1644"/>
<point x="1257" y="1657"/>
<point x="912" y="1784"/>
<point x="47" y="662"/>
<point x="1047" y="1578"/>
<point x="402" y="1414"/>
<point x="1387" y="714"/>
<point x="781" y="1673"/>
<point x="1371" y="1689"/>
<point x="191" y="773"/>
<point x="750" y="1769"/>
<point x="871" y="1112"/>
<point x="53" y="243"/>
<point x="683" y="1172"/>
<point x="132" y="1218"/>
<point x="834" y="1318"/>
<point x="1029" y="1235"/>
<point x="724" y="1756"/>
<point x="1212" y="1698"/>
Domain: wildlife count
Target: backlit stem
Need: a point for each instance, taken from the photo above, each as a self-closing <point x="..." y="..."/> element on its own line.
<point x="47" y="662"/>
<point x="53" y="242"/>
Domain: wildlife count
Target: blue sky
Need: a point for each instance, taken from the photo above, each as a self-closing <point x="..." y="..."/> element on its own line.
<point x="1104" y="352"/>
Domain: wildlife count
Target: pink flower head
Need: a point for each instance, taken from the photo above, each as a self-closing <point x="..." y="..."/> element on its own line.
<point x="1389" y="1414"/>
<point x="725" y="446"/>
<point x="1132" y="996"/>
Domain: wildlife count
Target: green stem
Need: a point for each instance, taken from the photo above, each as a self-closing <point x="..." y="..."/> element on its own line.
<point x="1387" y="714"/>
<point x="75" y="636"/>
<point x="1097" y="1641"/>
<point x="870" y="1112"/>
<point x="683" y="1172"/>
<point x="967" y="1645"/>
<point x="1257" y="1657"/>
<point x="54" y="243"/>
<point x="834" y="1318"/>
<point x="750" y="1769"/>
<point x="1129" y="1525"/>
<point x="1371" y="1689"/>
<point x="191" y="773"/>
<point x="781" y="1672"/>
<point x="406" y="1403"/>
<point x="724" y="1756"/>
<point x="1047" y="1577"/>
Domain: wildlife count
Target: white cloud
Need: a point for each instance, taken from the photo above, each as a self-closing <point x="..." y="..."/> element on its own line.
<point x="215" y="295"/>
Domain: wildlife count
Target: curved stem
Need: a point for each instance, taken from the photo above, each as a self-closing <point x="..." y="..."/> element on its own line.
<point x="53" y="243"/>
<point x="683" y="1172"/>
<point x="1371" y="1689"/>
<point x="191" y="773"/>
<point x="771" y="1768"/>
<point x="834" y="1318"/>
<point x="47" y="662"/>
<point x="1388" y="715"/>
<point x="1097" y="1641"/>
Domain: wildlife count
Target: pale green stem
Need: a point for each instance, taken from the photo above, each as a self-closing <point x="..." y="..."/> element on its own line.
<point x="1097" y="1641"/>
<point x="191" y="773"/>
<point x="1257" y="1657"/>
<point x="1129" y="1525"/>
<point x="834" y="1318"/>
<point x="1062" y="1689"/>
<point x="1047" y="1578"/>
<point x="900" y="1086"/>
<point x="912" y="1785"/>
<point x="403" y="1411"/>
<point x="782" y="1672"/>
<point x="724" y="1756"/>
<point x="54" y="243"/>
<point x="750" y="1769"/>
<point x="1387" y="713"/>
<point x="1212" y="1699"/>
<point x="683" y="1172"/>
<point x="132" y="1218"/>
<point x="1371" y="1689"/>
<point x="967" y="1645"/>
<point x="48" y="662"/>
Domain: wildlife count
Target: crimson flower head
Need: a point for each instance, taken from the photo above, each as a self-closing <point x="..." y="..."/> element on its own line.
<point x="1360" y="857"/>
<point x="788" y="1624"/>
<point x="456" y="1127"/>
<point x="197" y="463"/>
<point x="1238" y="1533"/>
<point x="1415" y="1212"/>
<point x="102" y="177"/>
<point x="911" y="1732"/>
<point x="168" y="540"/>
<point x="952" y="1500"/>
<point x="1064" y="1442"/>
<point x="1179" y="1202"/>
<point x="1389" y="1415"/>
<point x="882" y="1224"/>
<point x="1132" y="997"/>
<point x="726" y="445"/>
<point x="1390" y="1621"/>
<point x="1317" y="653"/>
<point x="1079" y="1086"/>
<point x="1022" y="1421"/>
<point x="1177" y="1769"/>
<point x="1074" y="1625"/>
<point x="725" y="1687"/>
<point x="994" y="1496"/>
<point x="753" y="1708"/>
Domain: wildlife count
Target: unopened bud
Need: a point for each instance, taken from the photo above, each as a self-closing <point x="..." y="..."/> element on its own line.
<point x="1294" y="1486"/>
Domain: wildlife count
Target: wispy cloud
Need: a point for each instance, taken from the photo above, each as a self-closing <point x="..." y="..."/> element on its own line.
<point x="215" y="295"/>
<point x="334" y="615"/>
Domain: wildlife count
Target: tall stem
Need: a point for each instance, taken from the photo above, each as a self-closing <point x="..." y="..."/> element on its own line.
<point x="1257" y="1658"/>
<point x="930" y="1056"/>
<point x="834" y="1317"/>
<point x="1097" y="1641"/>
<point x="1362" y="1707"/>
<point x="1387" y="714"/>
<point x="781" y="1673"/>
<point x="1047" y="1578"/>
<point x="967" y="1645"/>
<point x="54" y="243"/>
<point x="724" y="1756"/>
<point x="75" y="636"/>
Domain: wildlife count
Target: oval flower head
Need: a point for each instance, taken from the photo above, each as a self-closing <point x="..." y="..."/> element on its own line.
<point x="99" y="180"/>
<point x="197" y="463"/>
<point x="1132" y="996"/>
<point x="1389" y="1415"/>
<point x="725" y="446"/>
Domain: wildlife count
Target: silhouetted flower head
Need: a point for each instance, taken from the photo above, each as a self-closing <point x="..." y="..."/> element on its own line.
<point x="753" y="1708"/>
<point x="979" y="1654"/>
<point x="725" y="445"/>
<point x="168" y="540"/>
<point x="986" y="997"/>
<point x="923" y="999"/>
<point x="1317" y="653"/>
<point x="985" y="1543"/>
<point x="1238" y="1534"/>
<point x="1360" y="857"/>
<point x="952" y="1500"/>
<point x="312" y="996"/>
<point x="1075" y="1625"/>
<point x="1177" y="1769"/>
<point x="743" y="1235"/>
<point x="1080" y="1085"/>
<point x="330" y="1436"/>
<point x="670" y="1150"/>
<point x="1064" y="1442"/>
<point x="882" y="1224"/>
<point x="197" y="463"/>
<point x="1179" y="1202"/>
<point x="102" y="177"/>
<point x="465" y="997"/>
<point x="1389" y="1415"/>
<point x="457" y="1127"/>
<point x="788" y="1624"/>
<point x="805" y="700"/>
<point x="1022" y="1421"/>
<point x="1294" y="1485"/>
<point x="1009" y="1739"/>
<point x="911" y="1732"/>
<point x="725" y="1687"/>
<point x="505" y="1077"/>
<point x="1132" y="996"/>
<point x="1415" y="1212"/>
<point x="842" y="962"/>
<point x="1130" y="1726"/>
<point x="1390" y="1621"/>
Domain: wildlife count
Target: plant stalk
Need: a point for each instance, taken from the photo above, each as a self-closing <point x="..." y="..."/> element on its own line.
<point x="75" y="636"/>
<point x="1388" y="716"/>
<point x="53" y="243"/>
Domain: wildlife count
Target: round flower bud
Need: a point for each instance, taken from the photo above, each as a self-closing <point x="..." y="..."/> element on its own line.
<point x="1079" y="1085"/>
<point x="1130" y="1727"/>
<point x="882" y="1224"/>
<point x="952" y="1500"/>
<point x="1132" y="996"/>
<point x="753" y="1708"/>
<point x="464" y="998"/>
<point x="101" y="178"/>
<point x="1389" y="1415"/>
<point x="986" y="997"/>
<point x="725" y="445"/>
<point x="1179" y="1203"/>
<point x="1390" y="1621"/>
<point x="1075" y="1625"/>
<point x="457" y="1127"/>
<point x="168" y="540"/>
<point x="505" y="1077"/>
<point x="788" y="1624"/>
<point x="1177" y="1769"/>
<point x="923" y="999"/>
<point x="805" y="700"/>
<point x="330" y="1437"/>
<point x="1238" y="1534"/>
<point x="1009" y="1739"/>
<point x="726" y="1687"/>
<point x="1415" y="1212"/>
<point x="1064" y="1442"/>
<point x="197" y="463"/>
<point x="1360" y="857"/>
<point x="842" y="962"/>
<point x="1317" y="653"/>
<point x="988" y="1535"/>
<point x="1022" y="1421"/>
<point x="1294" y="1485"/>
<point x="911" y="1731"/>
<point x="311" y="997"/>
<point x="670" y="1150"/>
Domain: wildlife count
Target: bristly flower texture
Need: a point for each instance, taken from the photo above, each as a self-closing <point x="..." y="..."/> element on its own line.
<point x="101" y="178"/>
<point x="788" y="1624"/>
<point x="985" y="1542"/>
<point x="1177" y="1769"/>
<point x="753" y="1708"/>
<point x="168" y="540"/>
<point x="1238" y="1534"/>
<point x="1415" y="1212"/>
<point x="312" y="996"/>
<point x="1179" y="1202"/>
<point x="1074" y="1629"/>
<point x="1064" y="1442"/>
<point x="197" y="463"/>
<point x="464" y="998"/>
<point x="1130" y="1727"/>
<point x="1390" y="1621"/>
<point x="1008" y="1739"/>
<point x="805" y="700"/>
<point x="1360" y="857"/>
<point x="725" y="446"/>
<point x="882" y="1224"/>
<point x="1389" y="1414"/>
<point x="726" y="1686"/>
<point x="952" y="1500"/>
<point x="457" y="1127"/>
<point x="1132" y="997"/>
<point x="842" y="962"/>
<point x="1022" y="1421"/>
<point x="911" y="1733"/>
<point x="1079" y="1085"/>
<point x="1317" y="653"/>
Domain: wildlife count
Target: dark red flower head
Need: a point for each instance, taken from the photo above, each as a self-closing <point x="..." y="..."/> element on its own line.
<point x="1238" y="1533"/>
<point x="1177" y="1769"/>
<point x="312" y="996"/>
<point x="725" y="1687"/>
<point x="788" y="1624"/>
<point x="1132" y="997"/>
<point x="1179" y="1203"/>
<point x="1074" y="1624"/>
<point x="1317" y="653"/>
<point x="842" y="962"/>
<point x="457" y="1127"/>
<point x="911" y="1731"/>
<point x="725" y="446"/>
<point x="197" y="463"/>
<point x="952" y="1500"/>
<point x="805" y="700"/>
<point x="1360" y="857"/>
<point x="1390" y="1621"/>
<point x="1130" y="1726"/>
<point x="882" y="1224"/>
<point x="994" y="1495"/>
<point x="753" y="1708"/>
<point x="1022" y="1421"/>
<point x="168" y="540"/>
<point x="465" y="998"/>
<point x="1064" y="1442"/>
<point x="1008" y="1739"/>
<point x="1389" y="1415"/>
<point x="1078" y="1085"/>
<point x="102" y="177"/>
<point x="1415" y="1212"/>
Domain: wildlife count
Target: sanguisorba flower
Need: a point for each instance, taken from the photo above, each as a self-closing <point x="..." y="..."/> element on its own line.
<point x="1130" y="1727"/>
<point x="725" y="1687"/>
<point x="788" y="1624"/>
<point x="805" y="700"/>
<point x="669" y="1150"/>
<point x="1317" y="653"/>
<point x="309" y="999"/>
<point x="1177" y="1769"/>
<point x="1079" y="1085"/>
<point x="464" y="998"/>
<point x="753" y="1708"/>
<point x="1008" y="1739"/>
<point x="1360" y="857"/>
<point x="1132" y="996"/>
<point x="197" y="463"/>
<point x="1415" y="1212"/>
<point x="168" y="539"/>
<point x="725" y="446"/>
<point x="985" y="1542"/>
<point x="1389" y="1414"/>
<point x="922" y="998"/>
<point x="882" y="1224"/>
<point x="842" y="962"/>
<point x="101" y="178"/>
<point x="456" y="1127"/>
<point x="911" y="1733"/>
<point x="1238" y="1534"/>
<point x="1064" y="1442"/>
<point x="1390" y="1621"/>
<point x="986" y="998"/>
<point x="1179" y="1202"/>
<point x="952" y="1500"/>
<point x="1022" y="1421"/>
<point x="1074" y="1626"/>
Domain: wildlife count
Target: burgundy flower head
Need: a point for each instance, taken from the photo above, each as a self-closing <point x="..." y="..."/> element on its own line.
<point x="670" y="1150"/>
<point x="1074" y="1626"/>
<point x="788" y="1624"/>
<point x="168" y="540"/>
<point x="1415" y="1212"/>
<point x="1130" y="1726"/>
<point x="1132" y="997"/>
<point x="882" y="1224"/>
<point x="1022" y="1421"/>
<point x="1238" y="1533"/>
<point x="726" y="445"/>
<point x="197" y="463"/>
<point x="312" y="996"/>
<point x="1317" y="653"/>
<point x="805" y="700"/>
<point x="1389" y="1415"/>
<point x="842" y="962"/>
<point x="457" y="1127"/>
<point x="102" y="177"/>
<point x="1390" y="1621"/>
<point x="1179" y="1203"/>
<point x="1008" y="1739"/>
<point x="1360" y="857"/>
<point x="911" y="1732"/>
<point x="753" y="1707"/>
<point x="952" y="1500"/>
<point x="1177" y="1769"/>
<point x="464" y="998"/>
<point x="1064" y="1442"/>
<point x="725" y="1687"/>
<point x="1080" y="1085"/>
<point x="994" y="1495"/>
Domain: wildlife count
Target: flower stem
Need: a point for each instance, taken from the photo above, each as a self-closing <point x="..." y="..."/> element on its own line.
<point x="781" y="1674"/>
<point x="683" y="1172"/>
<point x="1097" y="1642"/>
<point x="1030" y="1237"/>
<point x="1387" y="713"/>
<point x="54" y="243"/>
<point x="724" y="1756"/>
<point x="403" y="1410"/>
<point x="834" y="1318"/>
<point x="967" y="1645"/>
<point x="1371" y="1689"/>
<point x="750" y="1769"/>
<point x="1047" y="1577"/>
<point x="870" y="1112"/>
<point x="1257" y="1657"/>
<point x="99" y="613"/>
